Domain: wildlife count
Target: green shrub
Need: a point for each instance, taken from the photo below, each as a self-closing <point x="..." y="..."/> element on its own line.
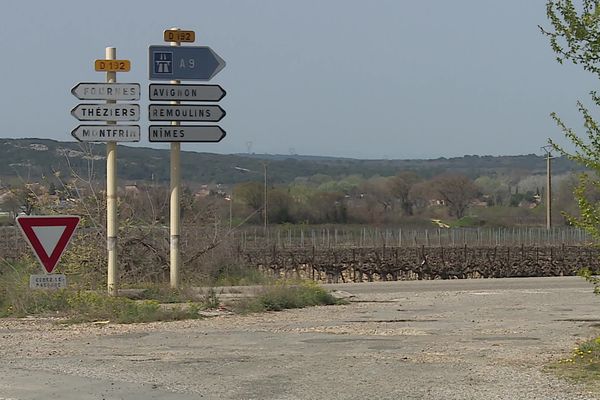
<point x="18" y="300"/>
<point x="284" y="295"/>
<point x="237" y="275"/>
<point x="582" y="365"/>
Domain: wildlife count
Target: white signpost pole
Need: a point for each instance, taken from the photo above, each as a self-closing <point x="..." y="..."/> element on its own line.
<point x="111" y="192"/>
<point x="175" y="199"/>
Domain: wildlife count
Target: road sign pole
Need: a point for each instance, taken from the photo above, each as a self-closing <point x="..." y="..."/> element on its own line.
<point x="111" y="193"/>
<point x="175" y="198"/>
<point x="175" y="63"/>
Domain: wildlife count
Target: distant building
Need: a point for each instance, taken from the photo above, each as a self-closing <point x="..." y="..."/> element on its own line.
<point x="202" y="192"/>
<point x="132" y="190"/>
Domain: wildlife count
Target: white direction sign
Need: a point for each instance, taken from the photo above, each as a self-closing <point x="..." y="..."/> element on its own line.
<point x="107" y="133"/>
<point x="106" y="112"/>
<point x="185" y="133"/>
<point x="106" y="91"/>
<point x="164" y="91"/>
<point x="184" y="112"/>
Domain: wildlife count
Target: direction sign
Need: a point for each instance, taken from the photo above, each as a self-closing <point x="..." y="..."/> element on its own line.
<point x="179" y="36"/>
<point x="165" y="91"/>
<point x="106" y="112"/>
<point x="106" y="91"/>
<point x="186" y="63"/>
<point x="112" y="65"/>
<point x="48" y="236"/>
<point x="185" y="112"/>
<point x="185" y="133"/>
<point x="107" y="133"/>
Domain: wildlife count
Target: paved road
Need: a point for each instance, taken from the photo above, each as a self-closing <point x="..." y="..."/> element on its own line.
<point x="477" y="339"/>
<point x="570" y="282"/>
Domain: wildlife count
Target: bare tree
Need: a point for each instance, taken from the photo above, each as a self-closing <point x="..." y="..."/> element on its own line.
<point x="377" y="193"/>
<point x="456" y="191"/>
<point x="420" y="194"/>
<point x="400" y="186"/>
<point x="252" y="194"/>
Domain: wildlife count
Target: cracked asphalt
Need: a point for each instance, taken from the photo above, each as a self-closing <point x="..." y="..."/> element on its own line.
<point x="459" y="339"/>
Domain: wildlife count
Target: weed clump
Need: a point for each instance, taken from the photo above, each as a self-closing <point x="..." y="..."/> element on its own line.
<point x="582" y="366"/>
<point x="18" y="300"/>
<point x="285" y="295"/>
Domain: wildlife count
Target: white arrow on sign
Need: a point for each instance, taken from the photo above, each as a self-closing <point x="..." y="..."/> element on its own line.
<point x="107" y="133"/>
<point x="184" y="112"/>
<point x="106" y="112"/>
<point x="106" y="91"/>
<point x="165" y="91"/>
<point x="185" y="133"/>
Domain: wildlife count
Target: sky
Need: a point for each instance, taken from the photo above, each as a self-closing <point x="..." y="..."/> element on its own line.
<point x="391" y="79"/>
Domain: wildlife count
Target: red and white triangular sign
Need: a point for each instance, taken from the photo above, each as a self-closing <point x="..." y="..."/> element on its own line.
<point x="48" y="236"/>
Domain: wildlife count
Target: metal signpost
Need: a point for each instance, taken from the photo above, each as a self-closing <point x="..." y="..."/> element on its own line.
<point x="111" y="133"/>
<point x="175" y="63"/>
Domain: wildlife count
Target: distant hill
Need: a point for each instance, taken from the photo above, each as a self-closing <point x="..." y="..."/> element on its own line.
<point x="33" y="159"/>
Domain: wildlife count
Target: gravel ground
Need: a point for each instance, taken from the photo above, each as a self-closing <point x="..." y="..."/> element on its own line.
<point x="487" y="340"/>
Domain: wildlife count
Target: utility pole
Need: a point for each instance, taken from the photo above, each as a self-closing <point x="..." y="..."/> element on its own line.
<point x="230" y="201"/>
<point x="265" y="199"/>
<point x="548" y="150"/>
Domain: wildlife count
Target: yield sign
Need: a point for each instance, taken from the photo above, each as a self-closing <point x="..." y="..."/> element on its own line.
<point x="48" y="236"/>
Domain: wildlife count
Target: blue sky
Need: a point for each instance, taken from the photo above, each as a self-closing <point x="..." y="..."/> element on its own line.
<point x="364" y="79"/>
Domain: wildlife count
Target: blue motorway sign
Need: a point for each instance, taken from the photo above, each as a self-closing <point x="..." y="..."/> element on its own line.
<point x="198" y="63"/>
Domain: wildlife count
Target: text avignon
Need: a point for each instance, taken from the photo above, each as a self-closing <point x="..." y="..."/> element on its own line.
<point x="184" y="92"/>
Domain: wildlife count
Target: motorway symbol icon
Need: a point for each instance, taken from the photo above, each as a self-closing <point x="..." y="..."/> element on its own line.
<point x="185" y="112"/>
<point x="48" y="236"/>
<point x="107" y="133"/>
<point x="106" y="91"/>
<point x="163" y="62"/>
<point x="198" y="63"/>
<point x="106" y="112"/>
<point x="186" y="133"/>
<point x="165" y="91"/>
